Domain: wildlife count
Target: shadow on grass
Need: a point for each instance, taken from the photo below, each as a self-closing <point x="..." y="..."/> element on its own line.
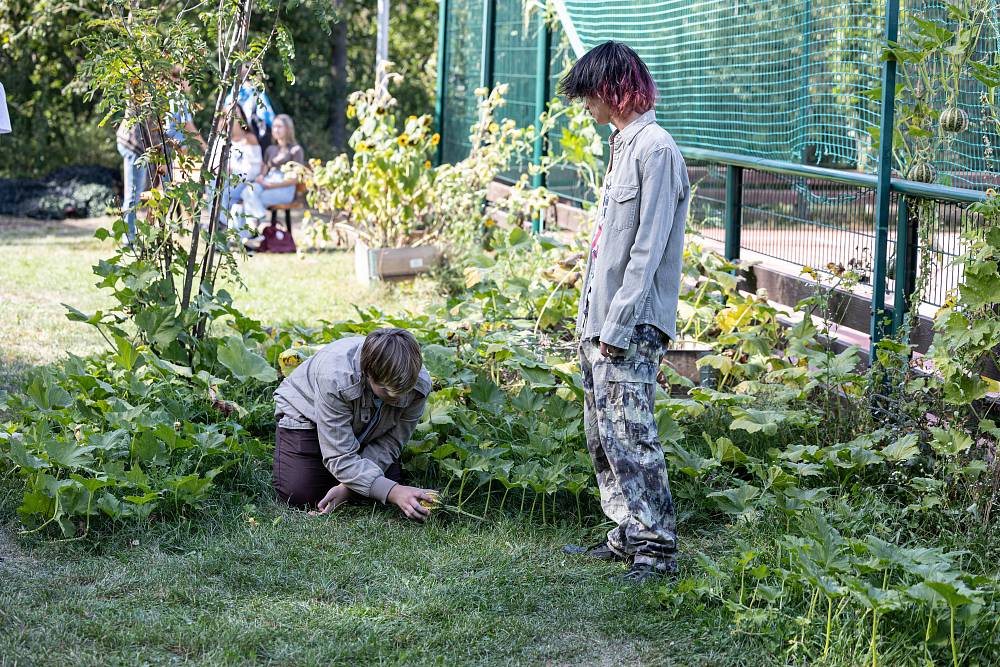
<point x="27" y="230"/>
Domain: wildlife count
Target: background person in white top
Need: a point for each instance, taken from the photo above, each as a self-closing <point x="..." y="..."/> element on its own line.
<point x="4" y="116"/>
<point x="245" y="160"/>
<point x="272" y="186"/>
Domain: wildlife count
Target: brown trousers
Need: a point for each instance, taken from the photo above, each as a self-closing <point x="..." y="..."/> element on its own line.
<point x="298" y="475"/>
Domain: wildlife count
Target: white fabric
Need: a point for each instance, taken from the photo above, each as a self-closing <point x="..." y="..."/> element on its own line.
<point x="245" y="160"/>
<point x="257" y="198"/>
<point x="4" y="116"/>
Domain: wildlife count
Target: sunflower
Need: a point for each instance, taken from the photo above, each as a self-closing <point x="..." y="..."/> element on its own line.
<point x="427" y="164"/>
<point x="435" y="139"/>
<point x="402" y="139"/>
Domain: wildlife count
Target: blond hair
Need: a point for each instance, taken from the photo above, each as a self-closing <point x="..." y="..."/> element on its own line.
<point x="290" y="124"/>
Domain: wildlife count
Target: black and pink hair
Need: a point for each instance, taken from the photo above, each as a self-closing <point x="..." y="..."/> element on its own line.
<point x="616" y="75"/>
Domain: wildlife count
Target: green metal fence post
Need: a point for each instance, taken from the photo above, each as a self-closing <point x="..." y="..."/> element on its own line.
<point x="734" y="210"/>
<point x="906" y="263"/>
<point x="541" y="100"/>
<point x="442" y="65"/>
<point x="884" y="187"/>
<point x="489" y="33"/>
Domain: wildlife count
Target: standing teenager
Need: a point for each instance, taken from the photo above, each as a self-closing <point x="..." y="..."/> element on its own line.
<point x="628" y="308"/>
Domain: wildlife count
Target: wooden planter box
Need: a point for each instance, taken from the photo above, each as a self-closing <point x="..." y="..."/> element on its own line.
<point x="374" y="264"/>
<point x="683" y="357"/>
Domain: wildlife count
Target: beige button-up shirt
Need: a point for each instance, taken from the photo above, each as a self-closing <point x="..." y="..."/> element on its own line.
<point x="357" y="441"/>
<point x="635" y="277"/>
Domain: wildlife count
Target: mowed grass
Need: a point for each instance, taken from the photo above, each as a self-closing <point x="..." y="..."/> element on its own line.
<point x="361" y="587"/>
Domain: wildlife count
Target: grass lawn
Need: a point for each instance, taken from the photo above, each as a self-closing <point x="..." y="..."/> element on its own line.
<point x="46" y="264"/>
<point x="361" y="587"/>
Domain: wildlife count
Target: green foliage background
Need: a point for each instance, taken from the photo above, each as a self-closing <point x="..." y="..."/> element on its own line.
<point x="54" y="126"/>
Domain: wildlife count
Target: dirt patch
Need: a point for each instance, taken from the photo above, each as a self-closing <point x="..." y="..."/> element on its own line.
<point x="10" y="553"/>
<point x="593" y="649"/>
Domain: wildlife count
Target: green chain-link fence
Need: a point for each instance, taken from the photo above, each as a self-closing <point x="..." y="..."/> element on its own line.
<point x="778" y="79"/>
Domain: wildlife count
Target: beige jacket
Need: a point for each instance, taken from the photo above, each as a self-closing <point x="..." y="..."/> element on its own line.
<point x="357" y="440"/>
<point x="635" y="277"/>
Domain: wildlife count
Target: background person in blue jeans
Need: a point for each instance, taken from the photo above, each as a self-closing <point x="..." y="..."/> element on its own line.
<point x="135" y="137"/>
<point x="135" y="177"/>
<point x="178" y="126"/>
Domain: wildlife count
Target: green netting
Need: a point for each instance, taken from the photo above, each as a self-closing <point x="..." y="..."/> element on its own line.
<point x="463" y="57"/>
<point x="514" y="56"/>
<point x="784" y="79"/>
<point x="768" y="78"/>
<point x="778" y="79"/>
<point x="513" y="62"/>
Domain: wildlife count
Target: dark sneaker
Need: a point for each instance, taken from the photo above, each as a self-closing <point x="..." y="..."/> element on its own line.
<point x="640" y="573"/>
<point x="599" y="551"/>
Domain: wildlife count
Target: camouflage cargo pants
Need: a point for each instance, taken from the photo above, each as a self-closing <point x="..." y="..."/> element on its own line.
<point x="625" y="448"/>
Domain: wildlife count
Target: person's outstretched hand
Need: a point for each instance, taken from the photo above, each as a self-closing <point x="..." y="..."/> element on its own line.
<point x="333" y="499"/>
<point x="408" y="498"/>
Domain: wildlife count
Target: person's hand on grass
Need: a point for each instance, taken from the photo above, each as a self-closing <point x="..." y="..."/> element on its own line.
<point x="408" y="498"/>
<point x="333" y="499"/>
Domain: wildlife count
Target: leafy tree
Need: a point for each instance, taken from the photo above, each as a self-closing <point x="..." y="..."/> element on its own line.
<point x="335" y="54"/>
<point x="53" y="125"/>
<point x="334" y="44"/>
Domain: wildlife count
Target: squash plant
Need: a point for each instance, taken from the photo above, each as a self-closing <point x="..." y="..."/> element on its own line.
<point x="935" y="50"/>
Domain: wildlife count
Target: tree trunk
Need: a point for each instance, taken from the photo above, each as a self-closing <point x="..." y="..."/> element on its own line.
<point x="338" y="72"/>
<point x="382" y="43"/>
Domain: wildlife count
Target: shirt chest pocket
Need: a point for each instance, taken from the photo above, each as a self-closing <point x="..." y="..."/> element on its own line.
<point x="622" y="211"/>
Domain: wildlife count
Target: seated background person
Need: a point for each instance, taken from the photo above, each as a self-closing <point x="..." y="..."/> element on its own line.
<point x="344" y="416"/>
<point x="272" y="186"/>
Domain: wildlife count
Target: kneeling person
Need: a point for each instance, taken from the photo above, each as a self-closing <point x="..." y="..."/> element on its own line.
<point x="344" y="416"/>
